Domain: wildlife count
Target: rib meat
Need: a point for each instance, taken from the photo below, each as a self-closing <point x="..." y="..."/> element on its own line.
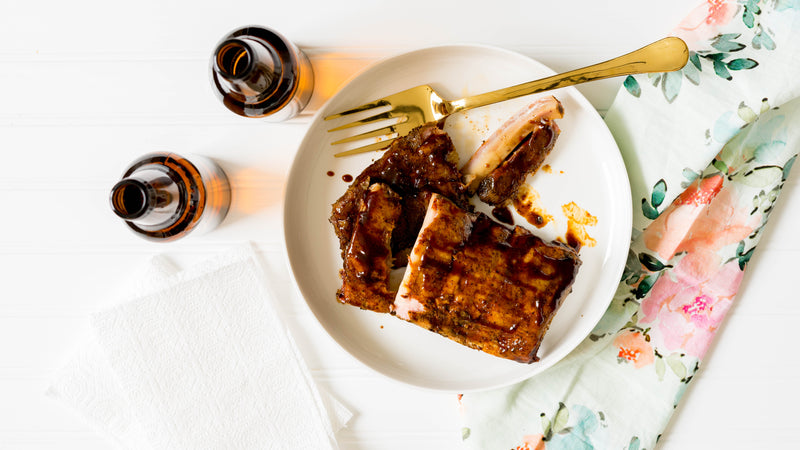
<point x="507" y="137"/>
<point x="483" y="285"/>
<point x="365" y="275"/>
<point x="379" y="216"/>
<point x="422" y="161"/>
<point x="502" y="183"/>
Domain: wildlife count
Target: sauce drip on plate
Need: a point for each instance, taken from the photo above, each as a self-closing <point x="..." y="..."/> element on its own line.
<point x="527" y="203"/>
<point x="503" y="214"/>
<point x="577" y="221"/>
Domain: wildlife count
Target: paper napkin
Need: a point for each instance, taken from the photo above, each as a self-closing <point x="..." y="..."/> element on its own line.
<point x="707" y="149"/>
<point x="201" y="360"/>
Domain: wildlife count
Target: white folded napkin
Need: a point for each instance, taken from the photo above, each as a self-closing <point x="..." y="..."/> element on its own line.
<point x="200" y="360"/>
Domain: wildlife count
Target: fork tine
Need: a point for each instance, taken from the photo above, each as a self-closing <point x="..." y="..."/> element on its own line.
<point x="367" y="148"/>
<point x="385" y="131"/>
<point x="372" y="120"/>
<point x="364" y="107"/>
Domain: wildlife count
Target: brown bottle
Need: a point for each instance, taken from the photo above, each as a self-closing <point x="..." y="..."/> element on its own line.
<point x="257" y="72"/>
<point x="163" y="196"/>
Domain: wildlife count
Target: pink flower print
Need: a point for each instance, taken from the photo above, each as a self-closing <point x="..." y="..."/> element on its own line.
<point x="665" y="234"/>
<point x="725" y="222"/>
<point x="685" y="307"/>
<point x="704" y="22"/>
<point x="687" y="304"/>
<point x="701" y="221"/>
<point x="634" y="348"/>
<point x="532" y="442"/>
<point x="701" y="192"/>
<point x="697" y="307"/>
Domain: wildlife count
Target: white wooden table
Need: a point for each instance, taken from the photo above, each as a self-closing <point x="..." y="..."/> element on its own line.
<point x="88" y="86"/>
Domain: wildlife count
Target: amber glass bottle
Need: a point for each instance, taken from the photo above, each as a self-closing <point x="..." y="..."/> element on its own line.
<point x="256" y="72"/>
<point x="163" y="196"/>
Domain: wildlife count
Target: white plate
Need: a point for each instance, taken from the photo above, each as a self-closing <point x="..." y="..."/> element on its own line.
<point x="593" y="177"/>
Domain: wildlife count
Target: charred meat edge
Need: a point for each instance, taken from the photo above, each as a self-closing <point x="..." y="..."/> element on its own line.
<point x="422" y="161"/>
<point x="366" y="268"/>
<point x="506" y="138"/>
<point x="467" y="326"/>
<point x="504" y="181"/>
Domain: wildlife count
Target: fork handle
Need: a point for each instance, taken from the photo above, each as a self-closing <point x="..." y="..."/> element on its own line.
<point x="664" y="55"/>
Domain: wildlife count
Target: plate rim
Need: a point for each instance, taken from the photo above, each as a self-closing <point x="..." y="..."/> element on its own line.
<point x="626" y="221"/>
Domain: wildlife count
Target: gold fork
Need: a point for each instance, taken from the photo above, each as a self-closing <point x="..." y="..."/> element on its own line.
<point x="421" y="104"/>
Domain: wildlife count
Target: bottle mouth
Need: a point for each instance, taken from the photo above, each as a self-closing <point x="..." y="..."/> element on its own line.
<point x="234" y="59"/>
<point x="130" y="199"/>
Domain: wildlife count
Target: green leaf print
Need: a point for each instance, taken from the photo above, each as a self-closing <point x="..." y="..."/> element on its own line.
<point x="745" y="258"/>
<point x="547" y="431"/>
<point x="648" y="211"/>
<point x="751" y="9"/>
<point x="746" y="113"/>
<point x="721" y="166"/>
<point x="632" y="86"/>
<point x="765" y="201"/>
<point x="725" y="43"/>
<point x="655" y="78"/>
<point x="644" y="286"/>
<point x="661" y="368"/>
<point x="465" y="432"/>
<point x="764" y="105"/>
<point x="659" y="192"/>
<point x="561" y="419"/>
<point x="729" y="36"/>
<point x="695" y="60"/>
<point x="763" y="39"/>
<point x="788" y="167"/>
<point x="748" y="18"/>
<point x="651" y="263"/>
<point x="630" y="274"/>
<point x="690" y="174"/>
<point x="692" y="73"/>
<point x="634" y="444"/>
<point x="721" y="69"/>
<point x="742" y="64"/>
<point x="657" y="198"/>
<point x="671" y="85"/>
<point x="677" y="367"/>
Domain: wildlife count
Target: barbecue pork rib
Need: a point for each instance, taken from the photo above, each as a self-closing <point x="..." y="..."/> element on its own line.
<point x="422" y="161"/>
<point x="504" y="181"/>
<point x="412" y="168"/>
<point x="483" y="285"/>
<point x="503" y="144"/>
<point x="367" y="260"/>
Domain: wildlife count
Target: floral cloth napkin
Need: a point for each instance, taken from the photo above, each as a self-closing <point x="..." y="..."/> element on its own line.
<point x="707" y="150"/>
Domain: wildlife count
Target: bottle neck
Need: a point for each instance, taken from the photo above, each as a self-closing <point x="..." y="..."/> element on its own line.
<point x="247" y="66"/>
<point x="147" y="198"/>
